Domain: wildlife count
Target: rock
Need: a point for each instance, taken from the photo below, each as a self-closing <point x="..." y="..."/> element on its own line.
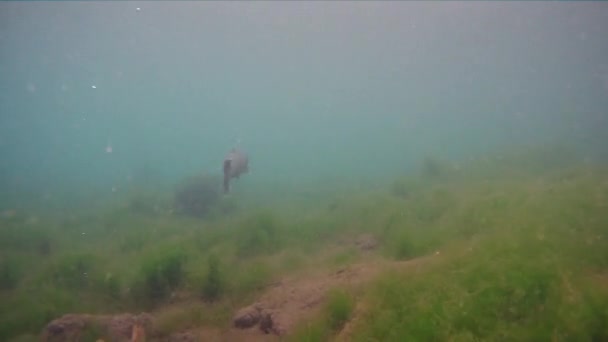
<point x="266" y="324"/>
<point x="184" y="337"/>
<point x="247" y="317"/>
<point x="116" y="328"/>
<point x="65" y="328"/>
<point x="138" y="333"/>
<point x="366" y="242"/>
<point x="120" y="327"/>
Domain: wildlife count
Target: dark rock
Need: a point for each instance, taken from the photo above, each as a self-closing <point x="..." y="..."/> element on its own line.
<point x="247" y="317"/>
<point x="117" y="328"/>
<point x="65" y="328"/>
<point x="266" y="323"/>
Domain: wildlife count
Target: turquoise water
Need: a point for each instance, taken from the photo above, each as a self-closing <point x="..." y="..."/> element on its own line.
<point x="315" y="92"/>
<point x="419" y="129"/>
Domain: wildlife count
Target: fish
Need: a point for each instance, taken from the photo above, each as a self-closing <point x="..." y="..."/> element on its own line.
<point x="235" y="164"/>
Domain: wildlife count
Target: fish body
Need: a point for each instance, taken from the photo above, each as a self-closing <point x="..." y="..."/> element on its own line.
<point x="235" y="164"/>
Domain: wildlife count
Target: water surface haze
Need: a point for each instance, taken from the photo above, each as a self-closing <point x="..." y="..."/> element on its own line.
<point x="99" y="95"/>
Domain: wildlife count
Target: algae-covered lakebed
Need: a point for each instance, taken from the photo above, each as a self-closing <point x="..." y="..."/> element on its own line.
<point x="497" y="249"/>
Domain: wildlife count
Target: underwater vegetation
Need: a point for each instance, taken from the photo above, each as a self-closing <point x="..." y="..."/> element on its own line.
<point x="509" y="247"/>
<point x="160" y="274"/>
<point x="339" y="308"/>
<point x="433" y="168"/>
<point x="212" y="285"/>
<point x="260" y="234"/>
<point x="336" y="312"/>
<point x="10" y="273"/>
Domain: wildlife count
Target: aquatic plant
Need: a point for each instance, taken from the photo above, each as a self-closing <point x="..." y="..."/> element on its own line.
<point x="110" y="285"/>
<point x="18" y="236"/>
<point x="213" y="285"/>
<point x="133" y="242"/>
<point x="403" y="246"/>
<point x="258" y="234"/>
<point x="29" y="311"/>
<point x="311" y="332"/>
<point x="514" y="248"/>
<point x="161" y="274"/>
<point x="249" y="279"/>
<point x="146" y="203"/>
<point x="223" y="207"/>
<point x="73" y="271"/>
<point x="335" y="313"/>
<point x="400" y="188"/>
<point x="338" y="309"/>
<point x="528" y="275"/>
<point x="433" y="168"/>
<point x="10" y="273"/>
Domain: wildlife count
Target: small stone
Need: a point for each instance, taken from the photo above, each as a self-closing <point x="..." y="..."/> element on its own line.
<point x="367" y="242"/>
<point x="247" y="317"/>
<point x="266" y="324"/>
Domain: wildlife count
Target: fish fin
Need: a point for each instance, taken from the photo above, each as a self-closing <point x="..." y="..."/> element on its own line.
<point x="226" y="184"/>
<point x="227" y="163"/>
